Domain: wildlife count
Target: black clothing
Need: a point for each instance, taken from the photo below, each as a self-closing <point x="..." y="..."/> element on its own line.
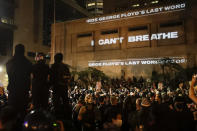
<point x="75" y="113"/>
<point x="59" y="74"/>
<point x="59" y="79"/>
<point x="88" y="119"/>
<point x="109" y="126"/>
<point x="40" y="85"/>
<point x="18" y="69"/>
<point x="102" y="108"/>
<point x="184" y="121"/>
<point x="110" y="109"/>
<point x="164" y="118"/>
<point x="146" y="119"/>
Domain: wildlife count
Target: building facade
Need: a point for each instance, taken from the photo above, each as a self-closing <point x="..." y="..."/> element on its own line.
<point x="33" y="19"/>
<point x="7" y="27"/>
<point x="81" y="3"/>
<point x="135" y="42"/>
<point x="95" y="7"/>
<point x="111" y="6"/>
<point x="29" y="22"/>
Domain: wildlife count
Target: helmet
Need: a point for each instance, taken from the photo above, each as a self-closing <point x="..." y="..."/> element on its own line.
<point x="39" y="120"/>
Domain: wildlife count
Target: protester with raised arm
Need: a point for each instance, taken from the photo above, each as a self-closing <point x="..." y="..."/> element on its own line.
<point x="192" y="95"/>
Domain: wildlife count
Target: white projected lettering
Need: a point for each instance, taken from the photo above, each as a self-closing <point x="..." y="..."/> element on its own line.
<point x="149" y="61"/>
<point x="151" y="11"/>
<point x="138" y="38"/>
<point x="159" y="36"/>
<point x="110" y="41"/>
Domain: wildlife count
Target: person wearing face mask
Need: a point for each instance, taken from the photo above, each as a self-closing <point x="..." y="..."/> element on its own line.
<point x="114" y="123"/>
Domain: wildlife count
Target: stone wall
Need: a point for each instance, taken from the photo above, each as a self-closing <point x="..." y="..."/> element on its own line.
<point x="74" y="40"/>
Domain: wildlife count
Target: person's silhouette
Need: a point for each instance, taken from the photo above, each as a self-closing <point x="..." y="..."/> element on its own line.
<point x="59" y="78"/>
<point x="40" y="83"/>
<point x="19" y="70"/>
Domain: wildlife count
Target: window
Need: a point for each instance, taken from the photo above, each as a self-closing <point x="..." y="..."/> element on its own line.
<point x="137" y="28"/>
<point x="109" y="32"/>
<point x="100" y="9"/>
<point x="136" y="5"/>
<point x="92" y="9"/>
<point x="7" y="20"/>
<point x="91" y="4"/>
<point x="154" y="2"/>
<point x="84" y="35"/>
<point x="4" y="20"/>
<point x="172" y="24"/>
<point x="100" y="3"/>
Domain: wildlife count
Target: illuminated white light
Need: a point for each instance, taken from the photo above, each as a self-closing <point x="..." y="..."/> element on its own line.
<point x="4" y="20"/>
<point x="1" y="68"/>
<point x="100" y="3"/>
<point x="32" y="112"/>
<point x="155" y="2"/>
<point x="136" y="5"/>
<point x="92" y="42"/>
<point x="26" y="124"/>
<point x="91" y="4"/>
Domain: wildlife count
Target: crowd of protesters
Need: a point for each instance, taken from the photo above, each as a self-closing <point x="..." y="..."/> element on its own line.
<point x="45" y="98"/>
<point x="133" y="107"/>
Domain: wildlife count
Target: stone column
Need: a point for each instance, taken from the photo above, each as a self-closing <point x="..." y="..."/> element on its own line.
<point x="123" y="31"/>
<point x="152" y="29"/>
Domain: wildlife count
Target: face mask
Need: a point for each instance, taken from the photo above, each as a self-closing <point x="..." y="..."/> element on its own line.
<point x="118" y="123"/>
